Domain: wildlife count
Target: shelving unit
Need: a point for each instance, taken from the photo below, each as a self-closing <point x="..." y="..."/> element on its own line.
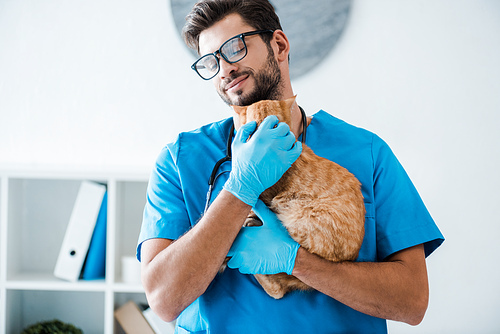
<point x="35" y="206"/>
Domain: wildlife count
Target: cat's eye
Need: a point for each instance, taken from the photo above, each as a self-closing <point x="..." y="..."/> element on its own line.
<point x="233" y="50"/>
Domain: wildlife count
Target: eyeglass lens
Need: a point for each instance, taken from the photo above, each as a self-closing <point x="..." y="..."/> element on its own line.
<point x="232" y="51"/>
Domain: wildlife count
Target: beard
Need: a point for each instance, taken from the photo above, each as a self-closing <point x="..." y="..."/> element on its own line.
<point x="267" y="85"/>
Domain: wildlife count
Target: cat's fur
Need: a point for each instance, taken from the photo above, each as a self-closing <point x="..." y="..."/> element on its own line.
<point x="319" y="202"/>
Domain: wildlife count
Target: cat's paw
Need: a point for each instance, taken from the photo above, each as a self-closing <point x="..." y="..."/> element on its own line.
<point x="223" y="266"/>
<point x="272" y="285"/>
<point x="252" y="220"/>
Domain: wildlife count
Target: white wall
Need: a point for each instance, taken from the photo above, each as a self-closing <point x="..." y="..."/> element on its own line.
<point x="108" y="83"/>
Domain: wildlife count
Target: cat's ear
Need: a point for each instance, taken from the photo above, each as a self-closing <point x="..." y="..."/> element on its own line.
<point x="239" y="109"/>
<point x="289" y="102"/>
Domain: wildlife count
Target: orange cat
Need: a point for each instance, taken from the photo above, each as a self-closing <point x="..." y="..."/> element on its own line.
<point x="319" y="202"/>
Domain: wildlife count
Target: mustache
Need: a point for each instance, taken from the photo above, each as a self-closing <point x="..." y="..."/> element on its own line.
<point x="234" y="76"/>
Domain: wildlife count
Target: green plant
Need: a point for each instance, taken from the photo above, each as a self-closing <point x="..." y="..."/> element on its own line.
<point x="52" y="327"/>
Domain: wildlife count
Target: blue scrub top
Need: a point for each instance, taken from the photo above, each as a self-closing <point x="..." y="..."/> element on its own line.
<point x="396" y="219"/>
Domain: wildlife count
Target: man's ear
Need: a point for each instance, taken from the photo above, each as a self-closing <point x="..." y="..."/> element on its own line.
<point x="283" y="45"/>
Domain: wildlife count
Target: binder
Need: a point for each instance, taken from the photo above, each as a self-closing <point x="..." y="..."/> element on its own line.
<point x="159" y="326"/>
<point x="131" y="319"/>
<point x="79" y="231"/>
<point x="94" y="266"/>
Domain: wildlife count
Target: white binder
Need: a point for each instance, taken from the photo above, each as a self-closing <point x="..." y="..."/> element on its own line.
<point x="79" y="231"/>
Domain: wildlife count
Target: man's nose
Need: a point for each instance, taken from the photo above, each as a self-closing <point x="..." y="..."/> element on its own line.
<point x="226" y="68"/>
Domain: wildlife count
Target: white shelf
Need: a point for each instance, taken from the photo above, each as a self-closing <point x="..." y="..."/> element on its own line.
<point x="71" y="172"/>
<point x="128" y="288"/>
<point x="35" y="206"/>
<point x="37" y="281"/>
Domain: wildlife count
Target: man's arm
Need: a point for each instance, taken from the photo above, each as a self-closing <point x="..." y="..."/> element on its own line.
<point x="175" y="273"/>
<point x="396" y="289"/>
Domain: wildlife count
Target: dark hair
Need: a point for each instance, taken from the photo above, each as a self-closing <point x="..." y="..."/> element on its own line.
<point x="259" y="14"/>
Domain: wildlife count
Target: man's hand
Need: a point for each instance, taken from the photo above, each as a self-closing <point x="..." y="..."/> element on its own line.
<point x="259" y="162"/>
<point x="266" y="249"/>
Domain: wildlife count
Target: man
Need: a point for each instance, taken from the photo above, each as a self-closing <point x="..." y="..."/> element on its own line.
<point x="245" y="53"/>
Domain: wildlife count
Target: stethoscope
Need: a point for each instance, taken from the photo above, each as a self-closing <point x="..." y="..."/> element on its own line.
<point x="214" y="175"/>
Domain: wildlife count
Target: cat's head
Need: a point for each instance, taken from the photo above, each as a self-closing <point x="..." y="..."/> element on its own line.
<point x="260" y="110"/>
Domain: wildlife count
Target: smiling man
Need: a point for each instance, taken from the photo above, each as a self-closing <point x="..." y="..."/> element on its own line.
<point x="187" y="233"/>
<point x="260" y="78"/>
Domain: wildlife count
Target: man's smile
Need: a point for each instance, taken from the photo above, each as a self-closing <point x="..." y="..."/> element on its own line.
<point x="236" y="83"/>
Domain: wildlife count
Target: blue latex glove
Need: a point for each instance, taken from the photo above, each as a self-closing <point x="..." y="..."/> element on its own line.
<point x="266" y="249"/>
<point x="259" y="162"/>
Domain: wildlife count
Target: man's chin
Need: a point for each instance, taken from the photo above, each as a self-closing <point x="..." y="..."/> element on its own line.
<point x="234" y="100"/>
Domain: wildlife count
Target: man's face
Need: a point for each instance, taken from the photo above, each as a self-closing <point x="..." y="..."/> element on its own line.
<point x="256" y="77"/>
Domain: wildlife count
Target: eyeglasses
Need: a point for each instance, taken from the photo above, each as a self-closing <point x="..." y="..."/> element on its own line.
<point x="233" y="50"/>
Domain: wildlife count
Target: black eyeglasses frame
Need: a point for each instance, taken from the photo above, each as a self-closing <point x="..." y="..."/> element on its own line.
<point x="218" y="52"/>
